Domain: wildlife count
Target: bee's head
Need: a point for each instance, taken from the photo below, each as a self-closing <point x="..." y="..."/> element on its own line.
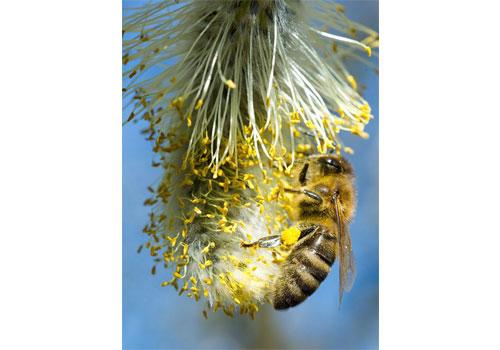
<point x="326" y="180"/>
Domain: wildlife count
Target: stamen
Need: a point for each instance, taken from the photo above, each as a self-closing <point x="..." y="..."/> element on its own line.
<point x="367" y="48"/>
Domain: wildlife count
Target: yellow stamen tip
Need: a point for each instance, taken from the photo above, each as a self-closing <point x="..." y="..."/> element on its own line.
<point x="352" y="82"/>
<point x="198" y="104"/>
<point x="230" y="84"/>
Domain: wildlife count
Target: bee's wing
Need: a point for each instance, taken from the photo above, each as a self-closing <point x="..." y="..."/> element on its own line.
<point x="347" y="267"/>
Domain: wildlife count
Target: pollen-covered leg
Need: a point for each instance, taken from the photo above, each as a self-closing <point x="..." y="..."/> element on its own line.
<point x="264" y="242"/>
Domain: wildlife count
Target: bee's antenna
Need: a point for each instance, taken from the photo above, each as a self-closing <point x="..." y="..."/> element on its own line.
<point x="308" y="193"/>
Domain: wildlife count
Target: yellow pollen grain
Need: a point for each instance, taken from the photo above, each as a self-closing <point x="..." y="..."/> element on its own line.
<point x="206" y="140"/>
<point x="177" y="102"/>
<point x="366" y="108"/>
<point x="352" y="82"/>
<point x="310" y="125"/>
<point x="230" y="84"/>
<point x="173" y="240"/>
<point x="190" y="219"/>
<point x="206" y="249"/>
<point x="198" y="200"/>
<point x="198" y="104"/>
<point x="359" y="132"/>
<point x="303" y="147"/>
<point x="295" y="117"/>
<point x="329" y="144"/>
<point x="348" y="150"/>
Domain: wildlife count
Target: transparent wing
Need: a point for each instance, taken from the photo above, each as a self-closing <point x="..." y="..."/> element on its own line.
<point x="347" y="267"/>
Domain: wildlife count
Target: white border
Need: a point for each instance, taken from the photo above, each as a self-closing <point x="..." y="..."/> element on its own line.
<point x="439" y="193"/>
<point x="60" y="181"/>
<point x="60" y="140"/>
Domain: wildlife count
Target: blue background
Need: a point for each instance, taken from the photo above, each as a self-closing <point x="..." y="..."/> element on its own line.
<point x="157" y="318"/>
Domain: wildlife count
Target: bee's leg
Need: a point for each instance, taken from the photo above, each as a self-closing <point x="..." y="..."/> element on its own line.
<point x="264" y="242"/>
<point x="307" y="231"/>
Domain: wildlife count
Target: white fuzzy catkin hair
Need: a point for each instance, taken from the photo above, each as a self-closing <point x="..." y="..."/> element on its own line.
<point x="235" y="92"/>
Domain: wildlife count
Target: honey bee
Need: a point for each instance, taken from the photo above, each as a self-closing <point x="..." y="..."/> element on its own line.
<point x="324" y="202"/>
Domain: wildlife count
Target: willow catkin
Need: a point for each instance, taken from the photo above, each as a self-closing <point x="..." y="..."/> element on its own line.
<point x="235" y="94"/>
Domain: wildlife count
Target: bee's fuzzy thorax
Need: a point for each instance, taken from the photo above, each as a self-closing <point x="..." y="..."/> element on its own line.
<point x="235" y="94"/>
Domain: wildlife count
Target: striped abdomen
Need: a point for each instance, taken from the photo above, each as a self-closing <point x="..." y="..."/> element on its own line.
<point x="305" y="268"/>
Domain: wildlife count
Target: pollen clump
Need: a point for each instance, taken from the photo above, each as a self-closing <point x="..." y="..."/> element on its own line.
<point x="290" y="235"/>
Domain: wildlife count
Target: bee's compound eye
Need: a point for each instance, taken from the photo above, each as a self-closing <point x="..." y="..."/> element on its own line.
<point x="333" y="164"/>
